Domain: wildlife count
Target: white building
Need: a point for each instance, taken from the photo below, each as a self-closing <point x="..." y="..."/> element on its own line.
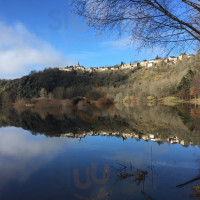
<point x="89" y="69"/>
<point x="173" y="59"/>
<point x="114" y="68"/>
<point x="182" y="55"/>
<point x="151" y="63"/>
<point x="103" y="69"/>
<point x="136" y="64"/>
<point x="68" y="69"/>
<point x="126" y="66"/>
<point x="79" y="68"/>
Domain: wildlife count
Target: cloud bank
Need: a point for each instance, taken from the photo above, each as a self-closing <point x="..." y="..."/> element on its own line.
<point x="21" y="50"/>
<point x="23" y="154"/>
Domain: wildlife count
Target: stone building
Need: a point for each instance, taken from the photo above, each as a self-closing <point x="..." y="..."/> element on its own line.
<point x="144" y="63"/>
<point x="182" y="56"/>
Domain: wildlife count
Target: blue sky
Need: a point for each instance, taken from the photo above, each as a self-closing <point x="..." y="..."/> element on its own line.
<point x="35" y="34"/>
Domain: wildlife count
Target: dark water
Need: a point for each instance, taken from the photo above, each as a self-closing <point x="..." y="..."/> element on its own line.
<point x="75" y="155"/>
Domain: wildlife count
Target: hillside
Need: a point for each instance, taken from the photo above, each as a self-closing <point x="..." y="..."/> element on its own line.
<point x="162" y="80"/>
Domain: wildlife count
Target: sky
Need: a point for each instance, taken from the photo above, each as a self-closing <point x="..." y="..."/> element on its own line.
<point x="37" y="34"/>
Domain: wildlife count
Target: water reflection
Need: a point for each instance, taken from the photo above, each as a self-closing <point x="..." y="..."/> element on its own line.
<point x="157" y="123"/>
<point x="137" y="153"/>
<point x="21" y="155"/>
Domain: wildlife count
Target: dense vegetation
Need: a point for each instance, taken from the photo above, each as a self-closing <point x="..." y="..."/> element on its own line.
<point x="180" y="79"/>
<point x="53" y="83"/>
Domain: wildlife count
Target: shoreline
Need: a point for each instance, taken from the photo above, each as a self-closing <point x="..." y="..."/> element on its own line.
<point x="45" y="103"/>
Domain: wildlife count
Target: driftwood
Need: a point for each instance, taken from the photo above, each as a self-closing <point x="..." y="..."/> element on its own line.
<point x="188" y="182"/>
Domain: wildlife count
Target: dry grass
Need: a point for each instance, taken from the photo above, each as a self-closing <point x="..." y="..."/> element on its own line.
<point x="171" y="101"/>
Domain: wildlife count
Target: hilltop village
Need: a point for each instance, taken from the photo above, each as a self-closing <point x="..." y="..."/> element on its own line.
<point x="146" y="64"/>
<point x="153" y="80"/>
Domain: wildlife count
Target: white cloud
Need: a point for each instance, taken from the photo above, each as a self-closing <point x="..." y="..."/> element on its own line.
<point x="23" y="154"/>
<point x="20" y="49"/>
<point x="118" y="44"/>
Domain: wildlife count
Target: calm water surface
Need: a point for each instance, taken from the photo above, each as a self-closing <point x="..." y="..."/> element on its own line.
<point x="87" y="162"/>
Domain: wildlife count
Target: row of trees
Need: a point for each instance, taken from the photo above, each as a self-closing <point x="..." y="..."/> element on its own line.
<point x="190" y="87"/>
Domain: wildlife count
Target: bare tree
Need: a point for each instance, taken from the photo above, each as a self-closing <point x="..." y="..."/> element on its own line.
<point x="168" y="23"/>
